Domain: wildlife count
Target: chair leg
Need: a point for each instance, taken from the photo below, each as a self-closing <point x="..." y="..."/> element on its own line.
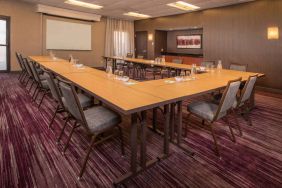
<point x="121" y="140"/>
<point x="63" y="129"/>
<point x="31" y="86"/>
<point x="231" y="130"/>
<point x="37" y="94"/>
<point x="35" y="91"/>
<point x="237" y="123"/>
<point x="27" y="82"/>
<point x="44" y="94"/>
<point x="86" y="157"/>
<point x="186" y="125"/>
<point x="215" y="141"/>
<point x="69" y="138"/>
<point x="22" y="77"/>
<point x="53" y="118"/>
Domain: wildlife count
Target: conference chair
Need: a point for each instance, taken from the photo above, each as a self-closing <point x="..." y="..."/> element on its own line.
<point x="126" y="67"/>
<point x="238" y="67"/>
<point x="96" y="120"/>
<point x="208" y="64"/>
<point x="154" y="70"/>
<point x="171" y="72"/>
<point x="52" y="82"/>
<point x="243" y="104"/>
<point x="29" y="75"/>
<point x="40" y="82"/>
<point x="19" y="60"/>
<point x="211" y="112"/>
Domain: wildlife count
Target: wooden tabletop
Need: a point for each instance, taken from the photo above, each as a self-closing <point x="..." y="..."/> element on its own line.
<point x="170" y="90"/>
<point x="44" y="58"/>
<point x="135" y="96"/>
<point x="153" y="63"/>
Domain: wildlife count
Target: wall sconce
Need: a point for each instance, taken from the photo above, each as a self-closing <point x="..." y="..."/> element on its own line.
<point x="272" y="33"/>
<point x="150" y="37"/>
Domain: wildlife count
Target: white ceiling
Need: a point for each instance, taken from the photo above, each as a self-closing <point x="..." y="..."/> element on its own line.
<point x="154" y="8"/>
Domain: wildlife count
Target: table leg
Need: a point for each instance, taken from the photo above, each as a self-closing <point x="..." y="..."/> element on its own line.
<point x="179" y="122"/>
<point x="133" y="143"/>
<point x="155" y="117"/>
<point x="143" y="139"/>
<point x="166" y="130"/>
<point x="172" y="115"/>
<point x="114" y="65"/>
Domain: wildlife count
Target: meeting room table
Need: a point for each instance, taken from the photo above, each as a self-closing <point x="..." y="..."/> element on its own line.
<point x="135" y="99"/>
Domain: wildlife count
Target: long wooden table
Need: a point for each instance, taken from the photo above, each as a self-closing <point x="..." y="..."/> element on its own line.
<point x="148" y="62"/>
<point x="136" y="98"/>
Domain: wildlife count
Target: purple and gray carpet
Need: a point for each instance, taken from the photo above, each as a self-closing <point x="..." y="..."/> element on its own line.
<point x="30" y="157"/>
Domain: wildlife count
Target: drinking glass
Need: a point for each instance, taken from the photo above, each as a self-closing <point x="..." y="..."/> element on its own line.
<point x="182" y="74"/>
<point x="116" y="74"/>
<point x="120" y="75"/>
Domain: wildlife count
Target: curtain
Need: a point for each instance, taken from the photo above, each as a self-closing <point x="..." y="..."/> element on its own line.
<point x="119" y="37"/>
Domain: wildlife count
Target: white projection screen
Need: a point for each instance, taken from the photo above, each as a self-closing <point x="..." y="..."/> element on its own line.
<point x="62" y="35"/>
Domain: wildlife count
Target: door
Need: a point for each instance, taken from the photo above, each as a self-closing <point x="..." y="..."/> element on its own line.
<point x="141" y="39"/>
<point x="4" y="44"/>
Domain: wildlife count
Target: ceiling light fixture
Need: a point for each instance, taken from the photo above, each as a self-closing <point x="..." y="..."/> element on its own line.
<point x="138" y="15"/>
<point x="83" y="4"/>
<point x="183" y="6"/>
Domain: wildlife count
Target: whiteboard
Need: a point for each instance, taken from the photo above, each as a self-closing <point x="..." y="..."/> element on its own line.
<point x="62" y="35"/>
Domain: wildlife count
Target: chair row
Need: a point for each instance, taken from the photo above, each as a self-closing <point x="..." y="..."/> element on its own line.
<point x="78" y="108"/>
<point x="231" y="103"/>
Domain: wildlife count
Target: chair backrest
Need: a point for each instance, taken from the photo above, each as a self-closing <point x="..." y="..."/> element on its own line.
<point x="34" y="71"/>
<point x="27" y="67"/>
<point x="248" y="89"/>
<point x="19" y="60"/>
<point x="50" y="78"/>
<point x="129" y="55"/>
<point x="207" y="63"/>
<point x="238" y="67"/>
<point x="178" y="61"/>
<point x="140" y="57"/>
<point x="228" y="98"/>
<point x="71" y="101"/>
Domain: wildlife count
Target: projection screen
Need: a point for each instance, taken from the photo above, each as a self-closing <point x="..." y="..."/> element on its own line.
<point x="62" y="35"/>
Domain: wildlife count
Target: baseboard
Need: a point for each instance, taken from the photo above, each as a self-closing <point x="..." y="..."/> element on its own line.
<point x="17" y="71"/>
<point x="267" y="89"/>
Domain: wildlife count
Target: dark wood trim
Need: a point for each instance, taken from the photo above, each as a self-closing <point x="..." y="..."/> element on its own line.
<point x="8" y="31"/>
<point x="182" y="54"/>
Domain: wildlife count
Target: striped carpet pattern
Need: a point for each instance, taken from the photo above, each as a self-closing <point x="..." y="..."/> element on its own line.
<point x="30" y="157"/>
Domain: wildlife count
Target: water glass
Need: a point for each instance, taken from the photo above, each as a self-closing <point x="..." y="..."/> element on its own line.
<point x="120" y="75"/>
<point x="116" y="74"/>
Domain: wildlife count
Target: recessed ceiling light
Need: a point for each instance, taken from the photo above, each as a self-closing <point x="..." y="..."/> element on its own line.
<point x="83" y="4"/>
<point x="138" y="15"/>
<point x="183" y="5"/>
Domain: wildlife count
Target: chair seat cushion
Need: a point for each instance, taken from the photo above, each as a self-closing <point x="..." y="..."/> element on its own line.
<point x="217" y="98"/>
<point x="84" y="100"/>
<point x="44" y="84"/>
<point x="43" y="76"/>
<point x="100" y="119"/>
<point x="204" y="110"/>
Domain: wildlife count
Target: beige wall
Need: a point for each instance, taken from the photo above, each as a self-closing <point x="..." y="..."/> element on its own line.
<point x="234" y="34"/>
<point x="28" y="34"/>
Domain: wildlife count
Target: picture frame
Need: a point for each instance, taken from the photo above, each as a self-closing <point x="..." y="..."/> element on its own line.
<point x="189" y="41"/>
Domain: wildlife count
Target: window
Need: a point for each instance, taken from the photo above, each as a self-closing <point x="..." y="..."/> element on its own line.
<point x="121" y="43"/>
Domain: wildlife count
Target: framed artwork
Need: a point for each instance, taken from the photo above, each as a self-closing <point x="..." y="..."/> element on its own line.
<point x="189" y="42"/>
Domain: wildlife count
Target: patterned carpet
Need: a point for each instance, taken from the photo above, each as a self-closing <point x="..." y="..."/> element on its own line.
<point x="29" y="156"/>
